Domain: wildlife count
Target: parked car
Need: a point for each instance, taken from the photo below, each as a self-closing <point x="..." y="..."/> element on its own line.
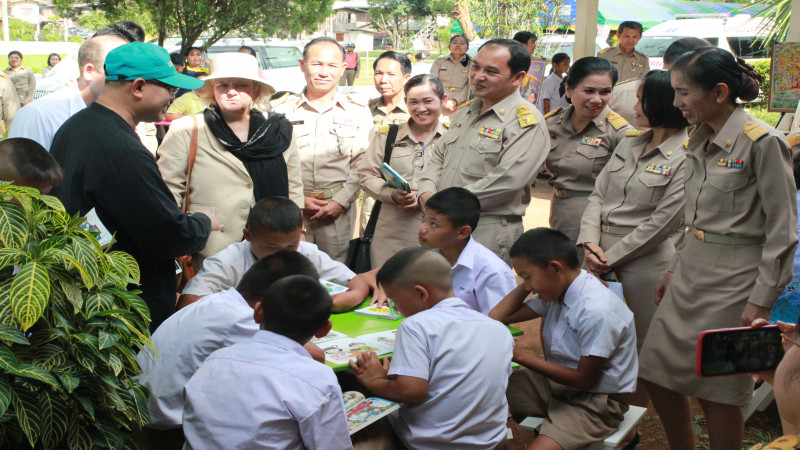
<point x="551" y="44"/>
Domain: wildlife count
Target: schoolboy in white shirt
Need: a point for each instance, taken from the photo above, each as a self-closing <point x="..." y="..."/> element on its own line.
<point x="267" y="392"/>
<point x="480" y="277"/>
<point x="450" y="364"/>
<point x="274" y="223"/>
<point x="589" y="340"/>
<point x="187" y="337"/>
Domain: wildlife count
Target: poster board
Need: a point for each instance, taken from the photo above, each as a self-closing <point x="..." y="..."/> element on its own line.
<point x="784" y="71"/>
<point x="529" y="89"/>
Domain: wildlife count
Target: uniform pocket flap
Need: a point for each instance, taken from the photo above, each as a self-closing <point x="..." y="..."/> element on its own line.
<point x="728" y="183"/>
<point x="592" y="152"/>
<point x="488" y="146"/>
<point x="654" y="179"/>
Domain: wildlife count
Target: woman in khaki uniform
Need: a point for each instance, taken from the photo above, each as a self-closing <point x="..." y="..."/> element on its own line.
<point x="398" y="219"/>
<point x="453" y="71"/>
<point x="582" y="138"/>
<point x="736" y="257"/>
<point x="638" y="203"/>
<point x="23" y="78"/>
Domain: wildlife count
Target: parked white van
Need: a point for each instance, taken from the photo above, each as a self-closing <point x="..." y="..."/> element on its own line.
<point x="738" y="34"/>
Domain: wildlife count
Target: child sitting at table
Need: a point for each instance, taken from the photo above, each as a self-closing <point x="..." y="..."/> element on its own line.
<point x="450" y="364"/>
<point x="480" y="277"/>
<point x="266" y="392"/>
<point x="274" y="223"/>
<point x="187" y="337"/>
<point x="27" y="163"/>
<point x="589" y="340"/>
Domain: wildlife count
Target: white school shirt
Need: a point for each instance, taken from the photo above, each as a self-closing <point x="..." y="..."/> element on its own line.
<point x="39" y="120"/>
<point x="466" y="359"/>
<point x="264" y="393"/>
<point x="183" y="342"/>
<point x="481" y="278"/>
<point x="549" y="91"/>
<point x="592" y="321"/>
<point x="226" y="269"/>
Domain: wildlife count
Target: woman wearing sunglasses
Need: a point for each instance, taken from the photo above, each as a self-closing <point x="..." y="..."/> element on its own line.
<point x="398" y="218"/>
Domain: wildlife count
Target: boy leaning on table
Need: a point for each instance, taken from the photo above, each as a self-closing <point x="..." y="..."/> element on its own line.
<point x="274" y="223"/>
<point x="267" y="392"/>
<point x="450" y="364"/>
<point x="589" y="340"/>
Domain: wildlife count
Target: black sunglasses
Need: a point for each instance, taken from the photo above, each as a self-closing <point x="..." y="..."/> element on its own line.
<point x="172" y="89"/>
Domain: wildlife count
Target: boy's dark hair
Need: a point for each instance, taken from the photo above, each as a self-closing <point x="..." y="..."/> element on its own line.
<point x="405" y="63"/>
<point x="519" y="59"/>
<point x="320" y="40"/>
<point x="249" y="49"/>
<point x="419" y="56"/>
<point x="271" y="268"/>
<point x="274" y="214"/>
<point x="460" y="206"/>
<point x="657" y="97"/>
<point x="541" y="245"/>
<point x="682" y="46"/>
<point x="414" y="265"/>
<point x="125" y="29"/>
<point x="523" y="37"/>
<point x="631" y="25"/>
<point x="175" y="57"/>
<point x="296" y="307"/>
<point x="27" y="163"/>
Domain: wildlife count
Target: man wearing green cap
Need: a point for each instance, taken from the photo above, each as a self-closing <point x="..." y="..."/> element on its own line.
<point x="107" y="168"/>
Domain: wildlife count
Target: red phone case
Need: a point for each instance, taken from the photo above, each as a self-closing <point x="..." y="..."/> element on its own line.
<point x="699" y="361"/>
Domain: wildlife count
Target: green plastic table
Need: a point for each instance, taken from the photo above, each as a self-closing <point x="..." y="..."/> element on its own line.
<point x="353" y="325"/>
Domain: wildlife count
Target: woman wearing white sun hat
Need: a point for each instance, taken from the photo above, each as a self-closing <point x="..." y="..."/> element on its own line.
<point x="242" y="154"/>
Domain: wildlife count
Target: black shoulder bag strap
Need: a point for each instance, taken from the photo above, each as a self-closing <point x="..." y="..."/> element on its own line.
<point x="369" y="231"/>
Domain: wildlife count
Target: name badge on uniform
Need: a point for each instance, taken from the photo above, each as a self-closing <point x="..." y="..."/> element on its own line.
<point x="455" y="125"/>
<point x="594" y="142"/>
<point x="491" y="133"/>
<point x="732" y="163"/>
<point x="635" y="64"/>
<point x="464" y="70"/>
<point x="659" y="169"/>
<point x="344" y="122"/>
<point x="620" y="157"/>
<point x="400" y="144"/>
<point x="399" y="121"/>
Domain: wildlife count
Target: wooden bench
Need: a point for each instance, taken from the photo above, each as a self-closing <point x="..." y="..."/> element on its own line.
<point x="632" y="418"/>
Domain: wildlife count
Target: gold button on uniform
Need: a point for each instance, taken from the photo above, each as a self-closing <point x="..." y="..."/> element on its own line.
<point x="249" y="186"/>
<point x="728" y="143"/>
<point x="501" y="111"/>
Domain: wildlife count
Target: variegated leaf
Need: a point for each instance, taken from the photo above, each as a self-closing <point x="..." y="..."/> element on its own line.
<point x="12" y="334"/>
<point x="86" y="404"/>
<point x="6" y="311"/>
<point x="140" y="396"/>
<point x="35" y="372"/>
<point x="98" y="302"/>
<point x="134" y="301"/>
<point x="69" y="382"/>
<point x="5" y="396"/>
<point x="26" y="410"/>
<point x="8" y="362"/>
<point x="84" y="252"/>
<point x="115" y="363"/>
<point x="107" y="340"/>
<point x="84" y="357"/>
<point x="30" y="291"/>
<point x="49" y="355"/>
<point x="13" y="226"/>
<point x="8" y="256"/>
<point x="131" y="266"/>
<point x="53" y="411"/>
<point x="52" y="202"/>
<point x="48" y="247"/>
<point x="72" y="293"/>
<point x="78" y="437"/>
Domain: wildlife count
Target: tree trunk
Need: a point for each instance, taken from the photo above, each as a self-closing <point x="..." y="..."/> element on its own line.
<point x="462" y="15"/>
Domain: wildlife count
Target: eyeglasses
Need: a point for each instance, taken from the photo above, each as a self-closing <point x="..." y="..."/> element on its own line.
<point x="172" y="89"/>
<point x="419" y="159"/>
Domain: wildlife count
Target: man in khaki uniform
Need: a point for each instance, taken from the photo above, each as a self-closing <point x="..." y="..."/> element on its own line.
<point x="494" y="146"/>
<point x="9" y="99"/>
<point x="629" y="62"/>
<point x="331" y="132"/>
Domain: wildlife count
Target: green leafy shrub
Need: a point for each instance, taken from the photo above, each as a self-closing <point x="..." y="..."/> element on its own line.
<point x="761" y="66"/>
<point x="69" y="331"/>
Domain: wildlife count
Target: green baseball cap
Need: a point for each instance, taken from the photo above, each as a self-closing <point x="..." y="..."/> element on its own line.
<point x="146" y="61"/>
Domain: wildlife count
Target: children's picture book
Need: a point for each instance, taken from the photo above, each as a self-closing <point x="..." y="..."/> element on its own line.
<point x="328" y="337"/>
<point x="342" y="350"/>
<point x="94" y="225"/>
<point x="374" y="311"/>
<point x="332" y="287"/>
<point x="393" y="179"/>
<point x="382" y="338"/>
<point x="368" y="411"/>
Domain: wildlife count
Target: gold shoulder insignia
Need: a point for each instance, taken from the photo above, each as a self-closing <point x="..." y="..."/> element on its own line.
<point x="465" y="104"/>
<point x="616" y="120"/>
<point x="793" y="140"/>
<point x="553" y="112"/>
<point x="446" y="125"/>
<point x="636" y="133"/>
<point x="355" y="100"/>
<point x="384" y="129"/>
<point x="280" y="100"/>
<point x="753" y="130"/>
<point x="686" y="144"/>
<point x="604" y="50"/>
<point x="627" y="81"/>
<point x="525" y="117"/>
<point x="692" y="130"/>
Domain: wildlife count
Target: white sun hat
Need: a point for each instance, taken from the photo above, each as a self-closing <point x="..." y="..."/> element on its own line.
<point x="237" y="65"/>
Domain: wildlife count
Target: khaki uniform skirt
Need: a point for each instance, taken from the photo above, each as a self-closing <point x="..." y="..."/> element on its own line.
<point x="565" y="215"/>
<point x="709" y="289"/>
<point x="396" y="229"/>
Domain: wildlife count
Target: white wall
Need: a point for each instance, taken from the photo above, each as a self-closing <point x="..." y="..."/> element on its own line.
<point x="362" y="40"/>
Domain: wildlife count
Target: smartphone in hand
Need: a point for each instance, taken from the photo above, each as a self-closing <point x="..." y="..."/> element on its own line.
<point x="729" y="351"/>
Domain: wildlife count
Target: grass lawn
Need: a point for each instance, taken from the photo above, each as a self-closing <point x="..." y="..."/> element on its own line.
<point x="35" y="62"/>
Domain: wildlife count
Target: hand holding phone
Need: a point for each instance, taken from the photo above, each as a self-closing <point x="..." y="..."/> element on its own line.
<point x="729" y="351"/>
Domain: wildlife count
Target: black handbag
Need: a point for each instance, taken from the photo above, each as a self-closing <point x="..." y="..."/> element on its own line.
<point x="358" y="259"/>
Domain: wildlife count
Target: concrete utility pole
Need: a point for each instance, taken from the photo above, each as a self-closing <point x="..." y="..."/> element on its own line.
<point x="793" y="34"/>
<point x="586" y="27"/>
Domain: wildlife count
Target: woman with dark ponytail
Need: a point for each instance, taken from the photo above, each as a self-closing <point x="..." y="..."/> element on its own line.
<point x="737" y="253"/>
<point x="453" y="70"/>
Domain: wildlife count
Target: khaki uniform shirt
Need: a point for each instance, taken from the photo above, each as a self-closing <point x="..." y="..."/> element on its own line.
<point x="577" y="157"/>
<point x="331" y="142"/>
<point x="454" y="77"/>
<point x="9" y="100"/>
<point x="397" y="116"/>
<point x="741" y="184"/>
<point x="24" y="80"/>
<point x="623" y="98"/>
<point x="638" y="190"/>
<point x="495" y="154"/>
<point x="628" y="67"/>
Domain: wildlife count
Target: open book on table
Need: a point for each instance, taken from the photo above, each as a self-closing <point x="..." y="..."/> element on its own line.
<point x="374" y="311"/>
<point x="340" y="348"/>
<point x="362" y="412"/>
